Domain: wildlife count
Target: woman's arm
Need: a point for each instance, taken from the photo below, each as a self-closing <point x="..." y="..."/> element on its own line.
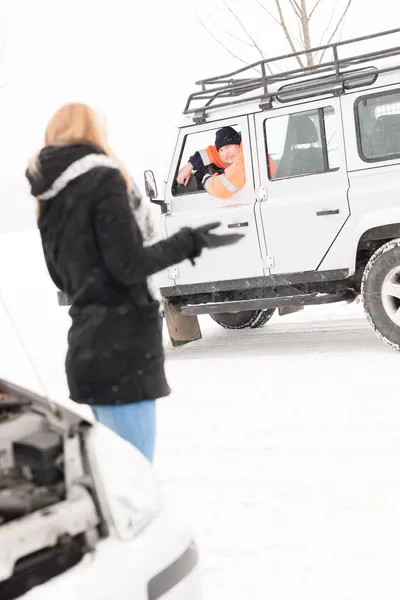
<point x="120" y="240"/>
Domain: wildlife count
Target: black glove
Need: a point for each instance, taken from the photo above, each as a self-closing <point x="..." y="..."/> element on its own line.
<point x="212" y="169"/>
<point x="206" y="177"/>
<point x="204" y="239"/>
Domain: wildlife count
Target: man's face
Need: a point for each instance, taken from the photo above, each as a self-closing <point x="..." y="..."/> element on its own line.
<point x="229" y="153"/>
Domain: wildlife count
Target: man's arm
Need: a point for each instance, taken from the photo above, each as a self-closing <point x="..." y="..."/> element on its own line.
<point x="198" y="162"/>
<point x="226" y="185"/>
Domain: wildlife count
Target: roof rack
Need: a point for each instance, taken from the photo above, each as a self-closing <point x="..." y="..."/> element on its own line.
<point x="332" y="77"/>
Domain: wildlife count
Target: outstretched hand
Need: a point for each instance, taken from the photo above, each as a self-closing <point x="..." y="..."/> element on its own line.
<point x="206" y="239"/>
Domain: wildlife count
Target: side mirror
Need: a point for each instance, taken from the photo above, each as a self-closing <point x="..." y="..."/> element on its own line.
<point x="150" y="186"/>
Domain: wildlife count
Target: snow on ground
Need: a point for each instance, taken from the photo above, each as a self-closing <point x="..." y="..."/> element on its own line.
<point x="284" y="445"/>
<point x="281" y="444"/>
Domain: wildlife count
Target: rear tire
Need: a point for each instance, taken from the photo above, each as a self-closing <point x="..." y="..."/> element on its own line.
<point x="263" y="318"/>
<point x="380" y="293"/>
<point x="247" y="319"/>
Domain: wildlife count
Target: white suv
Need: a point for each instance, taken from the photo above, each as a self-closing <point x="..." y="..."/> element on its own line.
<point x="81" y="513"/>
<point x="326" y="226"/>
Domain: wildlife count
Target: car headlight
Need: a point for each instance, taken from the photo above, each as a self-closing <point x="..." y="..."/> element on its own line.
<point x="125" y="481"/>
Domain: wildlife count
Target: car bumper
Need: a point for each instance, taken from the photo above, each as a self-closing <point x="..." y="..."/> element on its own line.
<point x="162" y="562"/>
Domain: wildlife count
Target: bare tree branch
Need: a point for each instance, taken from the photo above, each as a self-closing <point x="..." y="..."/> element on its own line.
<point x="297" y="14"/>
<point x="339" y="37"/>
<point x="234" y="36"/>
<point x="329" y="23"/>
<point x="305" y="22"/>
<point x="256" y="46"/>
<point x="277" y="21"/>
<point x="231" y="34"/>
<point x="267" y="11"/>
<point x="340" y="20"/>
<point x="222" y="44"/>
<point x="301" y="34"/>
<point x="314" y="9"/>
<point x="245" y="30"/>
<point x="296" y="7"/>
<point x="337" y="26"/>
<point x="286" y="31"/>
<point x="254" y="43"/>
<point x="217" y="6"/>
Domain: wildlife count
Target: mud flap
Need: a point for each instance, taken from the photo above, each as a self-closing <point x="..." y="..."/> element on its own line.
<point x="181" y="329"/>
<point x="288" y="310"/>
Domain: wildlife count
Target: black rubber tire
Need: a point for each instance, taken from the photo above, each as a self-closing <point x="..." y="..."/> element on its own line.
<point x="247" y="319"/>
<point x="385" y="259"/>
<point x="263" y="318"/>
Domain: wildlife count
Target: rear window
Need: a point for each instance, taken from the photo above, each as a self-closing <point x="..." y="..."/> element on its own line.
<point x="378" y="120"/>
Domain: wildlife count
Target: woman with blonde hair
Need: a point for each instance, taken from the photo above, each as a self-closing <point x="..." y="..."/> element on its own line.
<point x="96" y="253"/>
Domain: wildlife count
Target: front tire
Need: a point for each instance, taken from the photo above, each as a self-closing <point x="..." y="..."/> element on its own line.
<point x="380" y="293"/>
<point x="247" y="319"/>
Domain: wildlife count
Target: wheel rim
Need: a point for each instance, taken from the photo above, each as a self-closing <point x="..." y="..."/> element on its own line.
<point x="391" y="295"/>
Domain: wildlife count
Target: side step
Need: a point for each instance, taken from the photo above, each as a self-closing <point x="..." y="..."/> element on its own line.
<point x="263" y="303"/>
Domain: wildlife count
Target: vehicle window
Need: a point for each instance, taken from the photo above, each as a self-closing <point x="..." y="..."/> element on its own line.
<point x="302" y="143"/>
<point x="379" y="126"/>
<point x="195" y="142"/>
<point x="332" y="140"/>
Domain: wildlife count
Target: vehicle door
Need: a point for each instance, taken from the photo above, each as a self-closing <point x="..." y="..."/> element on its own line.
<point x="305" y="200"/>
<point x="372" y="135"/>
<point x="192" y="206"/>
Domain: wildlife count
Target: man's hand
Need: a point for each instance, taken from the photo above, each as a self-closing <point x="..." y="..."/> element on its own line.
<point x="184" y="174"/>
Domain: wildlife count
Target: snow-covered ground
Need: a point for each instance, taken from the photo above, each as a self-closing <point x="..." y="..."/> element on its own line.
<point x="281" y="444"/>
<point x="284" y="445"/>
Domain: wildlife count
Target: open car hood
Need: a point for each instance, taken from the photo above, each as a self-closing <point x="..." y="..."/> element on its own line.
<point x="12" y="396"/>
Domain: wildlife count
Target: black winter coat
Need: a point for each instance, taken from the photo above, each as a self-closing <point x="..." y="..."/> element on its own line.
<point x="94" y="252"/>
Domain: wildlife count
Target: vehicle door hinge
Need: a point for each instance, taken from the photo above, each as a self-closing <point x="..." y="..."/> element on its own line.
<point x="173" y="273"/>
<point x="262" y="193"/>
<point x="269" y="262"/>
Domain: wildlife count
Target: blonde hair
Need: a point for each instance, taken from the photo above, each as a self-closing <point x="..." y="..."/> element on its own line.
<point x="77" y="122"/>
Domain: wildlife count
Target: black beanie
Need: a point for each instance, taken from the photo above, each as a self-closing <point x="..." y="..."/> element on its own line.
<point x="227" y="136"/>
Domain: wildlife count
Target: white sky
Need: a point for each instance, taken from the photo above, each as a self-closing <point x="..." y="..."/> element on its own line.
<point x="135" y="61"/>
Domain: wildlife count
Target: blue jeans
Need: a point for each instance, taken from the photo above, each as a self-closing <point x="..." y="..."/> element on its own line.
<point x="135" y="423"/>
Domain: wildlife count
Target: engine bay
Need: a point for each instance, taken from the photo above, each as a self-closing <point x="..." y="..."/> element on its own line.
<point x="31" y="464"/>
<point x="49" y="518"/>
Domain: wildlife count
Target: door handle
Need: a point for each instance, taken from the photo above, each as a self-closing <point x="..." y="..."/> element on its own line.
<point x="243" y="224"/>
<point x="325" y="213"/>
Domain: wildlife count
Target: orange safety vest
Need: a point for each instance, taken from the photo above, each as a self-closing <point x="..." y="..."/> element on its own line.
<point x="272" y="167"/>
<point x="226" y="185"/>
<point x="211" y="155"/>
